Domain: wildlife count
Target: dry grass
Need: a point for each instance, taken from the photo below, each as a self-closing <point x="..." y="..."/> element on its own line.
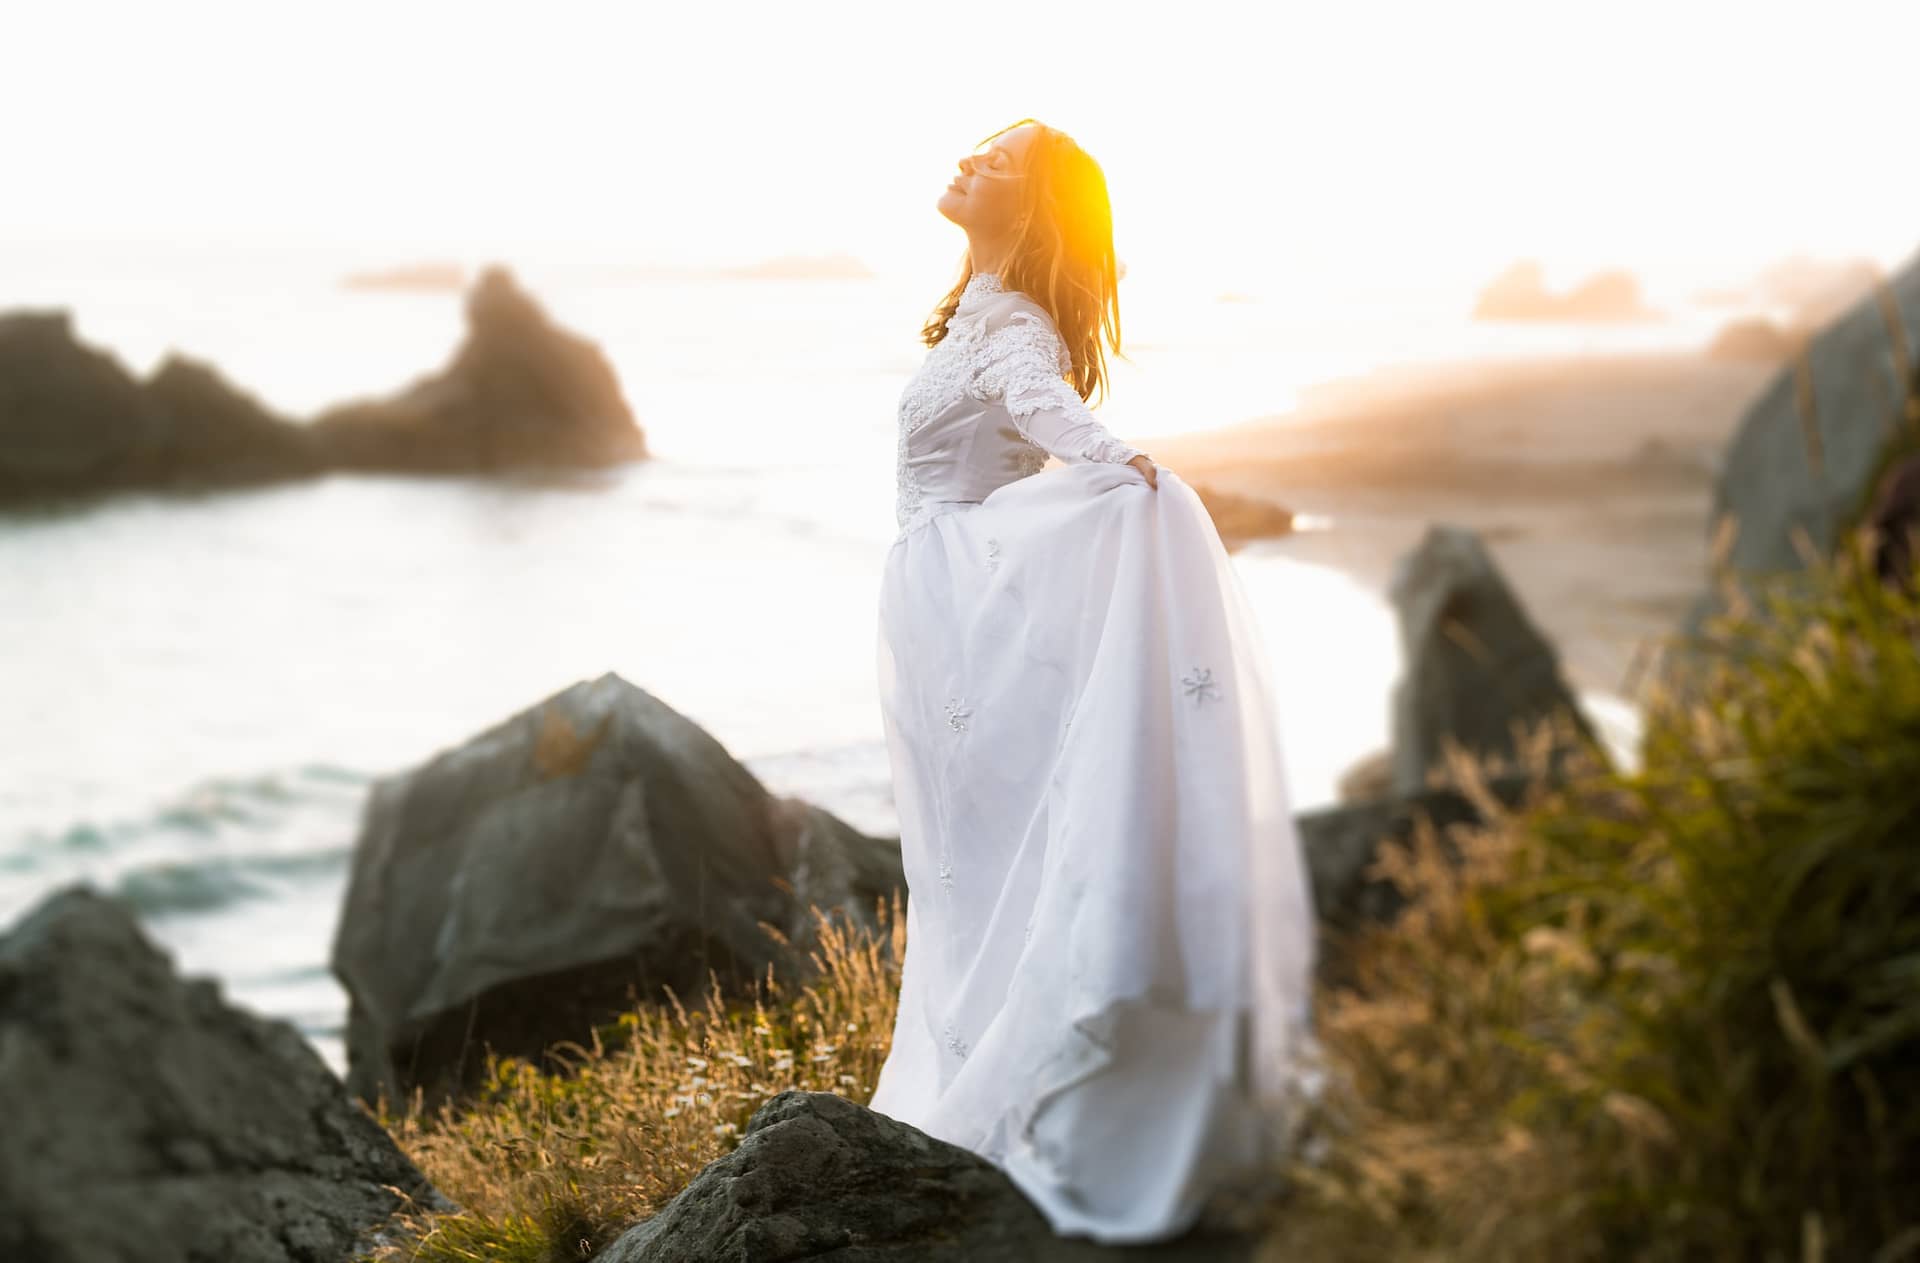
<point x="552" y="1167"/>
<point x="1428" y="1148"/>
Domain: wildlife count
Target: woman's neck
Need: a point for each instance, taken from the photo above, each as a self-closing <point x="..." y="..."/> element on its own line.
<point x="987" y="255"/>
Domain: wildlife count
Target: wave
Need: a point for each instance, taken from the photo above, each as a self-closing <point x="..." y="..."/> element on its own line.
<point x="176" y="887"/>
<point x="222" y="841"/>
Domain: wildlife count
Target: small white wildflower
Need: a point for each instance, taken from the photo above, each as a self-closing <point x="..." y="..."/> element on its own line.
<point x="721" y="1129"/>
<point x="698" y="1063"/>
<point x="671" y="1111"/>
<point x="853" y="1026"/>
<point x="846" y="1078"/>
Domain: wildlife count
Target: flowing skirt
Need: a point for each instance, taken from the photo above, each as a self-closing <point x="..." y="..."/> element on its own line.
<point x="1109" y="928"/>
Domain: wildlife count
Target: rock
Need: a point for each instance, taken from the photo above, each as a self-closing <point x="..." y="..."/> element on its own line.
<point x="1475" y="665"/>
<point x="1752" y="339"/>
<point x="1657" y="454"/>
<point x="541" y="878"/>
<point x="73" y="421"/>
<point x="1805" y="451"/>
<point x="519" y="391"/>
<point x="817" y="1176"/>
<point x="1340" y="843"/>
<point x="1367" y="778"/>
<point x="146" y="1119"/>
<point x="1239" y="519"/>
<point x="218" y="434"/>
<point x="1807" y="448"/>
<point x="1520" y="293"/>
<point x="1611" y="295"/>
<point x="71" y="418"/>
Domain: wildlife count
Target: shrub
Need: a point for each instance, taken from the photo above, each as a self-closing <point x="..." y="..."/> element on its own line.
<point x="1673" y="1013"/>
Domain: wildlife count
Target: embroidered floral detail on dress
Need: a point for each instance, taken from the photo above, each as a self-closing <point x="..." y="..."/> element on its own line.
<point x="993" y="554"/>
<point x="1029" y="459"/>
<point x="955" y="1045"/>
<point x="957" y="715"/>
<point x="1200" y="685"/>
<point x="946" y="874"/>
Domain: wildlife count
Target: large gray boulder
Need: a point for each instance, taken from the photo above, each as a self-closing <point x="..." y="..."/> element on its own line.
<point x="816" y="1176"/>
<point x="1809" y="446"/>
<point x="143" y="1118"/>
<point x="552" y="871"/>
<point x="1475" y="666"/>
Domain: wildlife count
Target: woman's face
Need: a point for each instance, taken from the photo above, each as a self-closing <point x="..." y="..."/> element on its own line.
<point x="986" y="196"/>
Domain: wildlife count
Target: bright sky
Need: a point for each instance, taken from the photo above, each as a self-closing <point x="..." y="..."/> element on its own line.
<point x="1330" y="148"/>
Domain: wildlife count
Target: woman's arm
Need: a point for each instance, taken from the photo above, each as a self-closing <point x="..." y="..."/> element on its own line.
<point x="1022" y="366"/>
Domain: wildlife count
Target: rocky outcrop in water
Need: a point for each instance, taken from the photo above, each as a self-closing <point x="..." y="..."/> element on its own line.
<point x="1521" y="293"/>
<point x="1475" y="669"/>
<point x="552" y="871"/>
<point x="1475" y="665"/>
<point x="817" y="1176"/>
<point x="143" y="1118"/>
<point x="519" y="391"/>
<point x="1241" y="519"/>
<point x="1753" y="339"/>
<point x="73" y="419"/>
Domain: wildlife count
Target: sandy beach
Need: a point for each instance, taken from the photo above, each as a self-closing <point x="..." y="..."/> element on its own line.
<point x="1590" y="478"/>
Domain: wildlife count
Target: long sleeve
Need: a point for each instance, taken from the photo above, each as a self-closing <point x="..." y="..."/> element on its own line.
<point x="1022" y="364"/>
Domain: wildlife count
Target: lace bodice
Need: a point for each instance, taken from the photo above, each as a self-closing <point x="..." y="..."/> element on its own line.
<point x="989" y="403"/>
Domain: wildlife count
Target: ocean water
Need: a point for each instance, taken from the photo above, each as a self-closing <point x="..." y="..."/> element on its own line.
<point x="200" y="689"/>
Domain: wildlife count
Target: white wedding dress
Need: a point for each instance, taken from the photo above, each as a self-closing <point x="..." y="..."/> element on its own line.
<point x="1109" y="931"/>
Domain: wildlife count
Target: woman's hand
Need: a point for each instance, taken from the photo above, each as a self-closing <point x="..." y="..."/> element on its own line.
<point x="1147" y="467"/>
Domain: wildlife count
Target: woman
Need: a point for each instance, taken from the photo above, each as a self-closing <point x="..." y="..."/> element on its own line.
<point x="1109" y="935"/>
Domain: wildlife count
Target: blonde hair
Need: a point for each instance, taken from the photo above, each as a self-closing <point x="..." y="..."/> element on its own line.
<point x="1062" y="255"/>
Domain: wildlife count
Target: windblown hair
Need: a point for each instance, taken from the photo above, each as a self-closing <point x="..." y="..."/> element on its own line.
<point x="1062" y="255"/>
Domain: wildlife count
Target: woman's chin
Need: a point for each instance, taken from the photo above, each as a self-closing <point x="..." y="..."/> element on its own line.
<point x="950" y="205"/>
